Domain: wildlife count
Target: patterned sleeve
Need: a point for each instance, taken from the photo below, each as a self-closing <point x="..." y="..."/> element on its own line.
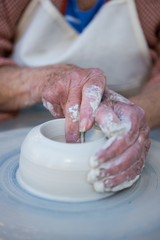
<point x="10" y="13"/>
<point x="149" y="15"/>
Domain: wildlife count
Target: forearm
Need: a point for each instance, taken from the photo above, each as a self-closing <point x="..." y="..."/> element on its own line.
<point x="149" y="100"/>
<point x="22" y="86"/>
<point x="17" y="86"/>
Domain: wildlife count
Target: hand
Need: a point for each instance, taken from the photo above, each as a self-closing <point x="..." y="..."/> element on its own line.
<point x="119" y="163"/>
<point x="74" y="93"/>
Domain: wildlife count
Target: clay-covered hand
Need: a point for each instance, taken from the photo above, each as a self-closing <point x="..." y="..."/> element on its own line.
<point x="119" y="163"/>
<point x="75" y="93"/>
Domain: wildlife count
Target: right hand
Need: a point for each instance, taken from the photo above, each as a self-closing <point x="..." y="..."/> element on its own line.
<point x="119" y="163"/>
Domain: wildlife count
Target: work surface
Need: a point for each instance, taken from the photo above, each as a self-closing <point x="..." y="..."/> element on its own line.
<point x="130" y="214"/>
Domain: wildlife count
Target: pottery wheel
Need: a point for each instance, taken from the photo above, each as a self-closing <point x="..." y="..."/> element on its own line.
<point x="129" y="214"/>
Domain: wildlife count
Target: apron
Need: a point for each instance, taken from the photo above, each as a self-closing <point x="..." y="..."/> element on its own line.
<point x="113" y="41"/>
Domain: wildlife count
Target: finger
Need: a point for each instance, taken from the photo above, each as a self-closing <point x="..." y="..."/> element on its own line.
<point x="91" y="97"/>
<point x="72" y="124"/>
<point x="131" y="118"/>
<point x="112" y="96"/>
<point x="87" y="92"/>
<point x="108" y="121"/>
<point x="72" y="116"/>
<point x="118" y="164"/>
<point x="54" y="108"/>
<point x="122" y="180"/>
<point x="113" y="147"/>
<point x="90" y="101"/>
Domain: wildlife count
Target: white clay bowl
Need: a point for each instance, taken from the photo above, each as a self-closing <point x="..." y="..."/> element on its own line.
<point x="53" y="169"/>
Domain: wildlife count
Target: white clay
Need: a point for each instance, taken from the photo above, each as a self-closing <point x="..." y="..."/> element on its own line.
<point x="74" y="112"/>
<point x="94" y="94"/>
<point x="53" y="169"/>
<point x="50" y="107"/>
<point x="99" y="186"/>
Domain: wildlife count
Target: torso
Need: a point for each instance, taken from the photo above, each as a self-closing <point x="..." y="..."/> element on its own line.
<point x="125" y="59"/>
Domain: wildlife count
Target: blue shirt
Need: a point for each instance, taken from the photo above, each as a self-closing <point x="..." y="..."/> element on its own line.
<point x="78" y="18"/>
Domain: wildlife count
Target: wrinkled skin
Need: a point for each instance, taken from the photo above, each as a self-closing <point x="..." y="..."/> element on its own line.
<point x="75" y="95"/>
<point x="120" y="162"/>
<point x="80" y="95"/>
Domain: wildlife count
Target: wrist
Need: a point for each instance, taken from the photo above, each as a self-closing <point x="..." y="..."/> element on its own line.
<point x="149" y="103"/>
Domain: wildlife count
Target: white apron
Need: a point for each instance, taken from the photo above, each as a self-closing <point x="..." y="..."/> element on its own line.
<point x="113" y="41"/>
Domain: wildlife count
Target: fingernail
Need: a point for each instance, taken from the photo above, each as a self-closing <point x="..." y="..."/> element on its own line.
<point x="93" y="175"/>
<point x="84" y="125"/>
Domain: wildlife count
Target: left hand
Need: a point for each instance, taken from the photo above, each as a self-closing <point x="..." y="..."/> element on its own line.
<point x="119" y="163"/>
<point x="74" y="93"/>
